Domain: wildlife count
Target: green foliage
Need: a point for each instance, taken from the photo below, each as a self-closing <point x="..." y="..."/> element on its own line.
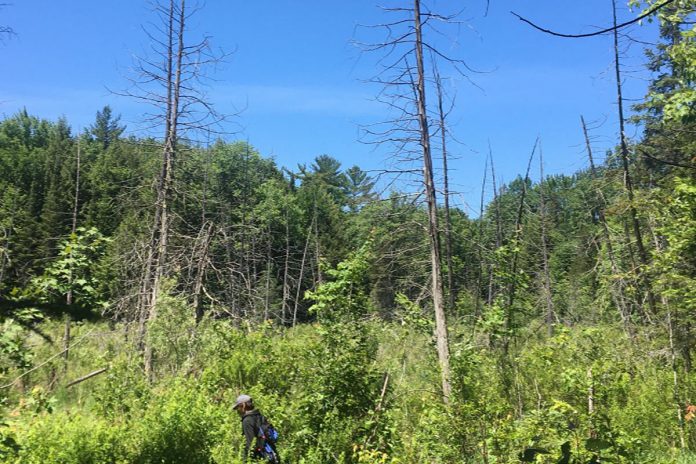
<point x="14" y="352"/>
<point x="73" y="270"/>
<point x="360" y="384"/>
<point x="73" y="439"/>
<point x="345" y="296"/>
<point x="106" y="129"/>
<point x="321" y="384"/>
<point x="676" y="264"/>
<point x="170" y="334"/>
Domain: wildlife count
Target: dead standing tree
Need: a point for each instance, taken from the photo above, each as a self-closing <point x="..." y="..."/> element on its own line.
<point x="170" y="80"/>
<point x="546" y="290"/>
<point x="617" y="288"/>
<point x="442" y="125"/>
<point x="643" y="278"/>
<point x="404" y="78"/>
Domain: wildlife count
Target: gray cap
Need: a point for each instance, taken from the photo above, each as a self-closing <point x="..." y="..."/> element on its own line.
<point x="241" y="399"/>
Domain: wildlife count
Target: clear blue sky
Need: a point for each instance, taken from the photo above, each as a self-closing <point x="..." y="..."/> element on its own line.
<point x="298" y="76"/>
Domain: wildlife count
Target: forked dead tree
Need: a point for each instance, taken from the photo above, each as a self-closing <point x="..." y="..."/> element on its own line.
<point x="170" y="81"/>
<point x="404" y="78"/>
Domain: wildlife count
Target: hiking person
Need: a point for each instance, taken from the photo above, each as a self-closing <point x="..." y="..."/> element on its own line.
<point x="259" y="434"/>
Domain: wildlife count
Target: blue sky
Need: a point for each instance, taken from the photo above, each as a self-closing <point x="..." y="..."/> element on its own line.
<point x="298" y="76"/>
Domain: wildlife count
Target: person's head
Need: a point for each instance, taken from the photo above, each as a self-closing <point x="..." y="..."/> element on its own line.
<point x="243" y="404"/>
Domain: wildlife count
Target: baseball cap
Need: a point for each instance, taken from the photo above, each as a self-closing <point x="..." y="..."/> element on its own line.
<point x="240" y="400"/>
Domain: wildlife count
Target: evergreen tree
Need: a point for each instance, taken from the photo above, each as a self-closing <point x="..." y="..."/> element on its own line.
<point x="106" y="128"/>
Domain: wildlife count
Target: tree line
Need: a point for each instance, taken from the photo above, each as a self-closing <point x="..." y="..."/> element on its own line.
<point x="99" y="224"/>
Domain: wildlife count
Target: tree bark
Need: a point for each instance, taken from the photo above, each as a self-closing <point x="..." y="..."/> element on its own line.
<point x="546" y="285"/>
<point x="617" y="293"/>
<point x="451" y="294"/>
<point x="317" y="245"/>
<point x="512" y="287"/>
<point x="675" y="379"/>
<point x="642" y="253"/>
<point x="4" y="251"/>
<point x="73" y="230"/>
<point x="157" y="255"/>
<point x="433" y="229"/>
<point x="87" y="377"/>
<point x="286" y="269"/>
<point x="302" y="268"/>
<point x="207" y="234"/>
<point x="269" y="259"/>
<point x="498" y="229"/>
<point x="479" y="246"/>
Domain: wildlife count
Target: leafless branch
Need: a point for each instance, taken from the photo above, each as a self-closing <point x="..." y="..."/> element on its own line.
<point x="650" y="12"/>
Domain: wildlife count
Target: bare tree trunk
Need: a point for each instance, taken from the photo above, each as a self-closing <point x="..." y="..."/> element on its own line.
<point x="672" y="327"/>
<point x="73" y="230"/>
<point x="498" y="229"/>
<point x="4" y="251"/>
<point x="286" y="284"/>
<point x="550" y="313"/>
<point x="159" y="258"/>
<point x="320" y="277"/>
<point x="617" y="293"/>
<point x="433" y="229"/>
<point x="642" y="253"/>
<point x="451" y="294"/>
<point x="302" y="268"/>
<point x="591" y="401"/>
<point x="675" y="378"/>
<point x="512" y="288"/>
<point x="686" y="348"/>
<point x="267" y="299"/>
<point x="206" y="236"/>
<point x="479" y="247"/>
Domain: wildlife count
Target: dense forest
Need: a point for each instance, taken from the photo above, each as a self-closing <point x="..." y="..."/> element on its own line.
<point x="145" y="282"/>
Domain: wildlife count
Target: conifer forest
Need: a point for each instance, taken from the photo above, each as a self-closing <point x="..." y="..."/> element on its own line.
<point x="151" y="273"/>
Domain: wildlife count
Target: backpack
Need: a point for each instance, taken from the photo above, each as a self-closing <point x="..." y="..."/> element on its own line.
<point x="269" y="434"/>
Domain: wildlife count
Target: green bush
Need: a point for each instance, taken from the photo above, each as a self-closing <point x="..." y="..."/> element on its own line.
<point x="321" y="385"/>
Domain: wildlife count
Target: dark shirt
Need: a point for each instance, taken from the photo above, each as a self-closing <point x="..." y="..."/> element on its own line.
<point x="251" y="425"/>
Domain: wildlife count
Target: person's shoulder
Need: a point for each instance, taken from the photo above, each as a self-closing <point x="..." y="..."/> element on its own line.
<point x="251" y="414"/>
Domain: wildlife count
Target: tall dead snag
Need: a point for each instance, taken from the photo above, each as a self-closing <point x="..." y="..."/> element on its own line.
<point x="168" y="82"/>
<point x="643" y="279"/>
<point x="403" y="78"/>
<point x="546" y="278"/>
<point x="433" y="227"/>
<point x="302" y="269"/>
<point x="516" y="239"/>
<point x="73" y="230"/>
<point x="616" y="290"/>
<point x="201" y="259"/>
<point x="628" y="184"/>
<point x="442" y="115"/>
<point x="498" y="228"/>
<point x="479" y="248"/>
<point x="284" y="306"/>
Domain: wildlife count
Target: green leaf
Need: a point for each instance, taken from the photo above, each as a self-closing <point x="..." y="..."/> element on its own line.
<point x="597" y="444"/>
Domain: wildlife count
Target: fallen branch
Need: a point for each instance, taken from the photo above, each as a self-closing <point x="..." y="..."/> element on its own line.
<point x="46" y="361"/>
<point x="384" y="392"/>
<point x="86" y="377"/>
